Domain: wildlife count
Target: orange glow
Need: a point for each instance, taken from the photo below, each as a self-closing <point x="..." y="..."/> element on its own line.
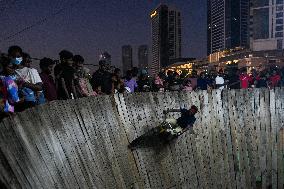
<point x="154" y="14"/>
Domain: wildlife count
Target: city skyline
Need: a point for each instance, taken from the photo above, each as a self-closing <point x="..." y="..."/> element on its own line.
<point x="90" y="28"/>
<point x="228" y="24"/>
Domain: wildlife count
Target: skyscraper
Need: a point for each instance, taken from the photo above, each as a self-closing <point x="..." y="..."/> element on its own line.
<point x="127" y="62"/>
<point x="267" y="25"/>
<point x="143" y="57"/>
<point x="166" y="36"/>
<point x="227" y="24"/>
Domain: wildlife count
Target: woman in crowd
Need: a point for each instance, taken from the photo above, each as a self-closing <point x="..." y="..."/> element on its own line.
<point x="159" y="83"/>
<point x="130" y="82"/>
<point x="8" y="88"/>
<point x="82" y="78"/>
<point x="117" y="82"/>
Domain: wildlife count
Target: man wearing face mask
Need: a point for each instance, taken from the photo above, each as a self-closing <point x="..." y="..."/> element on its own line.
<point x="30" y="82"/>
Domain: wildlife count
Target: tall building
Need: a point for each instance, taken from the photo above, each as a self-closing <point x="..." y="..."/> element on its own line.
<point x="166" y="37"/>
<point x="227" y="24"/>
<point x="143" y="57"/>
<point x="267" y="25"/>
<point x="127" y="62"/>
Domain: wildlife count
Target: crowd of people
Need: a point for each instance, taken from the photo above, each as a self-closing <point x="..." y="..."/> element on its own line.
<point x="22" y="86"/>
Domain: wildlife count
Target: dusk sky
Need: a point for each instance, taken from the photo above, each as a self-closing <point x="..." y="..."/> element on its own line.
<point x="91" y="26"/>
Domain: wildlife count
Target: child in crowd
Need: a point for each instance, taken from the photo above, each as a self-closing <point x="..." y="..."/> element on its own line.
<point x="8" y="88"/>
<point x="187" y="86"/>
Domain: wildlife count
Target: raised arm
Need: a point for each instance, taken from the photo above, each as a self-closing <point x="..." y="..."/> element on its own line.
<point x="171" y="110"/>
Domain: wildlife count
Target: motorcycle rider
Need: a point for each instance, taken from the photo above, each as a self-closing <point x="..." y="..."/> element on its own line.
<point x="178" y="126"/>
<point x="185" y="121"/>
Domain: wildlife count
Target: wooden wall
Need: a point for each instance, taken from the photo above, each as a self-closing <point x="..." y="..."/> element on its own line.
<point x="238" y="142"/>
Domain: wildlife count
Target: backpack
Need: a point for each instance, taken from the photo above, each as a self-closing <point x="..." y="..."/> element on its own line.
<point x="30" y="96"/>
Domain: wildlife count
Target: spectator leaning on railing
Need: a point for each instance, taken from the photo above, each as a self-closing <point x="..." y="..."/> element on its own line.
<point x="48" y="83"/>
<point x="82" y="78"/>
<point x="31" y="85"/>
<point x="65" y="76"/>
<point x="9" y="95"/>
<point x="73" y="80"/>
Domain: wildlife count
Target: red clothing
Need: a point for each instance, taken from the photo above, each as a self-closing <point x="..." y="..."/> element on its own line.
<point x="49" y="88"/>
<point x="274" y="80"/>
<point x="245" y="79"/>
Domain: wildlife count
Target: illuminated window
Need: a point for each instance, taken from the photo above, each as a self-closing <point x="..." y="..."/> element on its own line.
<point x="279" y="21"/>
<point x="279" y="14"/>
<point x="279" y="28"/>
<point x="279" y="44"/>
<point x="279" y="34"/>
<point x="279" y="8"/>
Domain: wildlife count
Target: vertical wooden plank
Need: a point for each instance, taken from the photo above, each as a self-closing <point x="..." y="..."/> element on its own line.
<point x="202" y="129"/>
<point x="7" y="176"/>
<point x="251" y="116"/>
<point x="263" y="139"/>
<point x="268" y="141"/>
<point x="280" y="149"/>
<point x="249" y="128"/>
<point x="218" y="128"/>
<point x="51" y="146"/>
<point x="280" y="140"/>
<point x="233" y="100"/>
<point x="228" y="148"/>
<point x="274" y="95"/>
<point x="258" y="136"/>
<point x="19" y="146"/>
<point x="7" y="147"/>
<point x="35" y="145"/>
<point x="69" y="141"/>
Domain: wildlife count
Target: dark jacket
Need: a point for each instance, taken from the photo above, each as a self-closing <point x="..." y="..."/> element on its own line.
<point x="185" y="120"/>
<point x="102" y="79"/>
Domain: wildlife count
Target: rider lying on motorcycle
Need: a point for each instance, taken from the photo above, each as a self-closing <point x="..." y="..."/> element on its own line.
<point x="184" y="122"/>
<point x="166" y="132"/>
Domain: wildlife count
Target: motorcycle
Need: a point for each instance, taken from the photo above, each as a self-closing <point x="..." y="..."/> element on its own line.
<point x="168" y="131"/>
<point x="165" y="132"/>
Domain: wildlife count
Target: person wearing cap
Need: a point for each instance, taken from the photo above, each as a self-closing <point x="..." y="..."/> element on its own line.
<point x="49" y="88"/>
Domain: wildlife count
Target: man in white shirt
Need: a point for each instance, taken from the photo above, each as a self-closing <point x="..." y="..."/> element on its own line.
<point x="28" y="79"/>
<point x="219" y="81"/>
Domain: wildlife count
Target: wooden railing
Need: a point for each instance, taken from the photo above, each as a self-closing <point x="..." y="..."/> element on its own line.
<point x="238" y="142"/>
